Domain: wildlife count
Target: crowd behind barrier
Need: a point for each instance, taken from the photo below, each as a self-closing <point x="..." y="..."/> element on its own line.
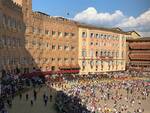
<point x="70" y="100"/>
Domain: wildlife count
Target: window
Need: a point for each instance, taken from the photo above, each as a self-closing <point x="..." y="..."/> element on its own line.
<point x="72" y="48"/>
<point x="66" y="34"/>
<point x="109" y="65"/>
<point x="39" y="31"/>
<point x="8" y="41"/>
<point x="60" y="34"/>
<point x="84" y="53"/>
<point x="59" y="59"/>
<point x="112" y="53"/>
<point x="91" y="43"/>
<point x="92" y="64"/>
<point x="104" y="43"/>
<point x="53" y="68"/>
<point x="65" y="59"/>
<point x="100" y="44"/>
<point x="12" y="22"/>
<point x="4" y="20"/>
<point x="46" y="32"/>
<point x="66" y="48"/>
<point x="91" y="53"/>
<point x="59" y="47"/>
<point x="53" y="59"/>
<point x="96" y="53"/>
<point x="117" y="54"/>
<point x="9" y="22"/>
<point x="34" y="30"/>
<point x="72" y="34"/>
<point x="83" y="43"/>
<point x="97" y="35"/>
<point x="122" y="63"/>
<point x="22" y="60"/>
<point x="123" y="44"/>
<point x="122" y="54"/>
<point x="39" y="44"/>
<point x="33" y="42"/>
<point x="1" y="16"/>
<point x="47" y="45"/>
<point x="105" y="36"/>
<point x="123" y="38"/>
<point x="117" y="38"/>
<point x="1" y="43"/>
<point x="105" y="53"/>
<point x="92" y="35"/>
<point x="108" y="53"/>
<point x="101" y="53"/>
<point x="72" y="59"/>
<point x="100" y="35"/>
<point x="53" y="33"/>
<point x="53" y="47"/>
<point x="83" y="63"/>
<point x="97" y="63"/>
<point x="5" y="41"/>
<point x="84" y="35"/>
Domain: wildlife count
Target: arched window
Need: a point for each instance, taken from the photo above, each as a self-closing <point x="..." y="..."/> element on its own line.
<point x="96" y="53"/>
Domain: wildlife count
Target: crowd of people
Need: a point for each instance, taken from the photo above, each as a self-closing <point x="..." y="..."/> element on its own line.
<point x="69" y="104"/>
<point x="107" y="93"/>
<point x="94" y="96"/>
<point x="12" y="85"/>
<point x="9" y="87"/>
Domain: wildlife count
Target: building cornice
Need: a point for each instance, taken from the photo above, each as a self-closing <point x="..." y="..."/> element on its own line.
<point x="101" y="28"/>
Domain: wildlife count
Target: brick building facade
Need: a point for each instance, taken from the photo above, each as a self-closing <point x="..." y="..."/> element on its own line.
<point x="51" y="41"/>
<point x="13" y="55"/>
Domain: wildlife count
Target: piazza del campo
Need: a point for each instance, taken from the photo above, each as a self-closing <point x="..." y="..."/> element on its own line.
<point x="53" y="64"/>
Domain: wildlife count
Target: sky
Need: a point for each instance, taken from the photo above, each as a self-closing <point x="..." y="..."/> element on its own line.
<point x="126" y="14"/>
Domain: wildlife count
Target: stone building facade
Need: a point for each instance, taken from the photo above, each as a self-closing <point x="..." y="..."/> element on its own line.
<point x="101" y="50"/>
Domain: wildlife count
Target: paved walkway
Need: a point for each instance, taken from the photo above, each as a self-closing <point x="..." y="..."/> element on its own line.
<point x="23" y="106"/>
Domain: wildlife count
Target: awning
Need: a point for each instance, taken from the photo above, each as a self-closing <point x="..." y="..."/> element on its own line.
<point x="70" y="67"/>
<point x="39" y="73"/>
<point x="67" y="72"/>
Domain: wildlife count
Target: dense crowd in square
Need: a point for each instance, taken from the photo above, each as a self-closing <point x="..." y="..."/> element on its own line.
<point x="123" y="95"/>
<point x="109" y="93"/>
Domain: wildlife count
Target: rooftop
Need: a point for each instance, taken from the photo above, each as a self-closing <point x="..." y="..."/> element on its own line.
<point x="116" y="30"/>
<point x="143" y="39"/>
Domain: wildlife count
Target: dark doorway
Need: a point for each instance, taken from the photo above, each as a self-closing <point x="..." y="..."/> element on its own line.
<point x="53" y="68"/>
